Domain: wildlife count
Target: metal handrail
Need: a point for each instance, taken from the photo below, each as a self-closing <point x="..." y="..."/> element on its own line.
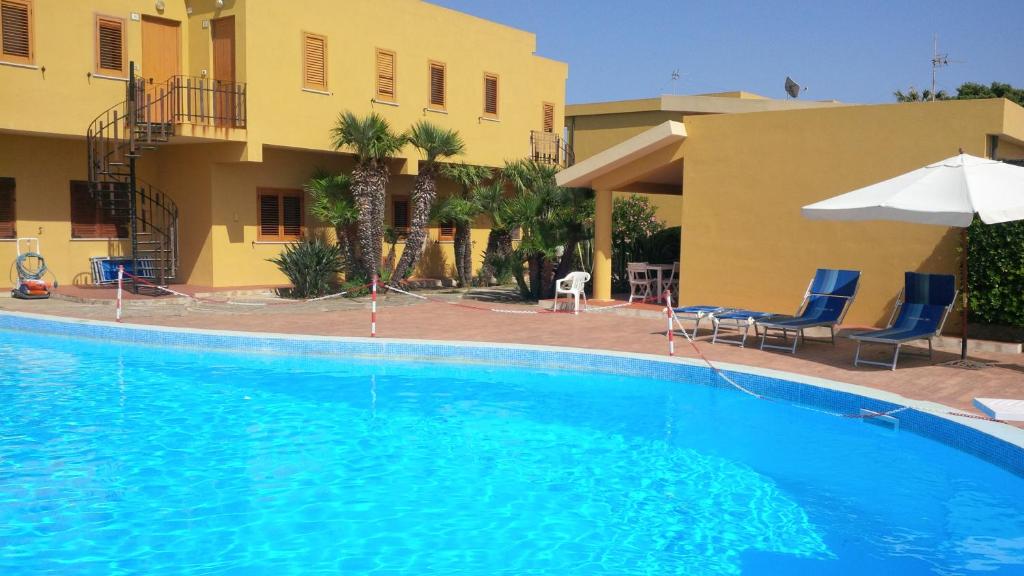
<point x="550" y="148"/>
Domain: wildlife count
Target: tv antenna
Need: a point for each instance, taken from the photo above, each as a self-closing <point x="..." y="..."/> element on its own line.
<point x="672" y="80"/>
<point x="939" y="61"/>
<point x="792" y="88"/>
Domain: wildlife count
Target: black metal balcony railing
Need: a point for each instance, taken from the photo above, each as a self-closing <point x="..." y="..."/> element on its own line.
<point x="550" y="148"/>
<point x="192" y="100"/>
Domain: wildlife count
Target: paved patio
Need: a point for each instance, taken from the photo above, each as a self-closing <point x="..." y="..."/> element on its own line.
<point x="637" y="328"/>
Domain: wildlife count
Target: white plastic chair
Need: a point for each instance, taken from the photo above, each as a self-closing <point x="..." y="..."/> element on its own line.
<point x="640" y="283"/>
<point x="574" y="285"/>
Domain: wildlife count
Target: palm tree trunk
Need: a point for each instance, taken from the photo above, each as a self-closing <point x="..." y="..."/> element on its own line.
<point x="349" y="235"/>
<point x="424" y="191"/>
<point x="499" y="247"/>
<point x="464" y="255"/>
<point x="363" y="180"/>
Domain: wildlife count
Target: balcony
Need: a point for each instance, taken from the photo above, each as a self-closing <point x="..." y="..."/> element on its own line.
<point x="192" y="102"/>
<point x="550" y="148"/>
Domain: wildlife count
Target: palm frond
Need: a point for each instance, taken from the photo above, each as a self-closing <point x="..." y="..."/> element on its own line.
<point x="467" y="176"/>
<point x="435" y="142"/>
<point x="331" y="198"/>
<point x="370" y="136"/>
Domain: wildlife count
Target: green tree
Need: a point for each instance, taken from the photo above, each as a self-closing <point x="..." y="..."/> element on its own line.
<point x="972" y="90"/>
<point x="634" y="220"/>
<point x="371" y="139"/>
<point x="332" y="203"/>
<point x="435" y="143"/>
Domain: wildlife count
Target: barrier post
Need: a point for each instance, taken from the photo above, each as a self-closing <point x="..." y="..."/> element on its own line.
<point x="373" y="308"/>
<point x="120" y="282"/>
<point x="668" y="314"/>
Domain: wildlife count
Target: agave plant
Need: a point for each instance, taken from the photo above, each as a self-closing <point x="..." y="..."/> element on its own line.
<point x="331" y="202"/>
<point x="373" y="142"/>
<point x="435" y="143"/>
<point x="310" y="265"/>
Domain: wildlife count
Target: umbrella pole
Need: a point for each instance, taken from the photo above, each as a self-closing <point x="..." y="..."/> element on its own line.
<point x="963" y="284"/>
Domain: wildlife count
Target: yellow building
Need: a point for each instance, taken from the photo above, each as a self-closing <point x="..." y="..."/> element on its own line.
<point x="232" y="117"/>
<point x="741" y="167"/>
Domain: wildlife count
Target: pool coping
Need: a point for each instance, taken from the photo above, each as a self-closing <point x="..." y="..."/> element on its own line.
<point x="376" y="347"/>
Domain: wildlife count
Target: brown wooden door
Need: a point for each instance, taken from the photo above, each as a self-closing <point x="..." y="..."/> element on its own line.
<point x="223" y="32"/>
<point x="160" y="63"/>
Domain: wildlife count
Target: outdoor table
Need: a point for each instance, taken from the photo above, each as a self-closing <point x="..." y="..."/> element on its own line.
<point x="659" y="269"/>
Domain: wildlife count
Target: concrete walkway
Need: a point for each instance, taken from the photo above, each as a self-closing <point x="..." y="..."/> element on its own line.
<point x="636" y="329"/>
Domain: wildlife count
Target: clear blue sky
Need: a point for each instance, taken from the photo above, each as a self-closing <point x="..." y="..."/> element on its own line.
<point x="853" y="51"/>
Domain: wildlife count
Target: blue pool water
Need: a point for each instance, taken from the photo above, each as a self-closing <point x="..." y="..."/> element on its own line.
<point x="127" y="459"/>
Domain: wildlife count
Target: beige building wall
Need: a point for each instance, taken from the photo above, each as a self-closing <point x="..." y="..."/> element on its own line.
<point x="747" y="176"/>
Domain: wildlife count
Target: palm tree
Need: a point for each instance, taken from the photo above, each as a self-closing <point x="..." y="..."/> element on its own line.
<point x="373" y="142"/>
<point x="463" y="214"/>
<point x="495" y="203"/>
<point x="912" y="95"/>
<point x="332" y="203"/>
<point x="532" y="209"/>
<point x="435" y="143"/>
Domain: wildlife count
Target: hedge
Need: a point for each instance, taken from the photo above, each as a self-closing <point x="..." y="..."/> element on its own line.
<point x="995" y="273"/>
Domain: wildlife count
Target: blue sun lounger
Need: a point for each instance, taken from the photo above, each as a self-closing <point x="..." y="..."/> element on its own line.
<point x="921" y="310"/>
<point x="828" y="298"/>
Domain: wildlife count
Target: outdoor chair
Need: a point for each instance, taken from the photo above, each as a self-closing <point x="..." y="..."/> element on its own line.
<point x="672" y="280"/>
<point x="826" y="301"/>
<point x="574" y="285"/>
<point x="739" y="320"/>
<point x="919" y="314"/>
<point x="640" y="283"/>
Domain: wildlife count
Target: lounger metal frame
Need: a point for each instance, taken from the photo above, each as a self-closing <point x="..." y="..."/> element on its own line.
<point x="697" y="316"/>
<point x="898" y="343"/>
<point x="741" y="325"/>
<point x="799" y="330"/>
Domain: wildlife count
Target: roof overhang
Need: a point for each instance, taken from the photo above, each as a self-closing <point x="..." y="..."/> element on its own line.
<point x="582" y="175"/>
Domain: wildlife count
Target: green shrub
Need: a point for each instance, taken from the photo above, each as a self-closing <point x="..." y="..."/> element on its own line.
<point x="662" y="247"/>
<point x="310" y="265"/>
<point x="633" y="221"/>
<point x="995" y="273"/>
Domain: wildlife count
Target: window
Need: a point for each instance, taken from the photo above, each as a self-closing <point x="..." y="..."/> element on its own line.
<point x="109" y="46"/>
<point x="89" y="219"/>
<point x="386" y="89"/>
<point x="280" y="215"/>
<point x="549" y="117"/>
<point x="517" y="233"/>
<point x="16" y="30"/>
<point x="438" y="85"/>
<point x="446" y="231"/>
<point x="400" y="216"/>
<point x="490" y="96"/>
<point x="314" y="62"/>
<point x="7" y="217"/>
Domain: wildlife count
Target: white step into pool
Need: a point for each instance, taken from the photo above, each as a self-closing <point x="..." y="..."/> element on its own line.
<point x="1001" y="408"/>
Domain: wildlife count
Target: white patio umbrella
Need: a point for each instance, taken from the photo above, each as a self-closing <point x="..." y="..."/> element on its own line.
<point x="947" y="193"/>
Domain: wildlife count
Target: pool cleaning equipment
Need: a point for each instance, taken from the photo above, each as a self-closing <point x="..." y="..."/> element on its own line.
<point x="31" y="268"/>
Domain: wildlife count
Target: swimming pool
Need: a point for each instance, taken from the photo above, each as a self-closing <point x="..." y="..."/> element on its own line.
<point x="124" y="458"/>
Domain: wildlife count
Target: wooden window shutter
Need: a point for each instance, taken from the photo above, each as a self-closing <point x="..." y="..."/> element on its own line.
<point x="446" y="231"/>
<point x="8" y="218"/>
<point x="280" y="215"/>
<point x="400" y="215"/>
<point x="291" y="217"/>
<point x="16" y="30"/>
<point x="549" y="117"/>
<point x="109" y="45"/>
<point x="490" y="95"/>
<point x="314" y="62"/>
<point x="386" y="89"/>
<point x="438" y="86"/>
<point x="270" y="221"/>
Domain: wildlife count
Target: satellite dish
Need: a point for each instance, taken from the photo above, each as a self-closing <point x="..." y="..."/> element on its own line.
<point x="792" y="88"/>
